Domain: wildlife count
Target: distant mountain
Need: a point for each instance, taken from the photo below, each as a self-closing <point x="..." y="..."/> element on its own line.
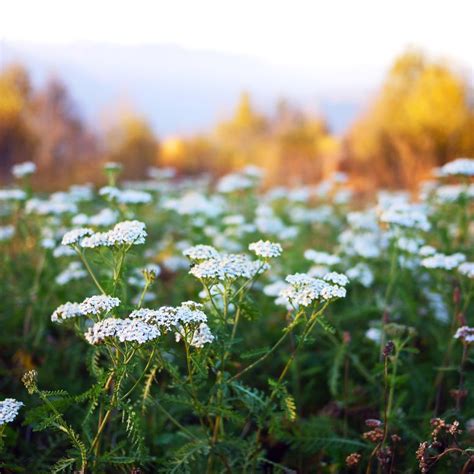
<point x="179" y="90"/>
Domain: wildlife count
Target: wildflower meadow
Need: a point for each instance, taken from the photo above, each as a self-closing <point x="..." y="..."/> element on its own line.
<point x="214" y="325"/>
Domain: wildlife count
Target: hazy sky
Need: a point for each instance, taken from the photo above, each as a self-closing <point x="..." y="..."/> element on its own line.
<point x="312" y="35"/>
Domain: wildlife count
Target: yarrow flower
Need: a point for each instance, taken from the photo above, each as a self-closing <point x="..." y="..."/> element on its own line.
<point x="76" y="235"/>
<point x="124" y="233"/>
<point x="202" y="336"/>
<point x="125" y="196"/>
<point x="459" y="167"/>
<point x="125" y="330"/>
<point x="321" y="258"/>
<point x="66" y="311"/>
<point x="74" y="271"/>
<point x="187" y="320"/>
<point x="442" y="261"/>
<point x="6" y="232"/>
<point x="406" y="215"/>
<point x="98" y="304"/>
<point x="227" y="267"/>
<point x="23" y="169"/>
<point x="12" y="195"/>
<point x="266" y="249"/>
<point x="465" y="333"/>
<point x="303" y="290"/>
<point x="201" y="252"/>
<point x="337" y="278"/>
<point x="9" y="409"/>
<point x="467" y="269"/>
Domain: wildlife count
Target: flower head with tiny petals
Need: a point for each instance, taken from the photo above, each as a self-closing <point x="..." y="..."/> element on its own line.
<point x="98" y="304"/>
<point x="266" y="249"/>
<point x="9" y="409"/>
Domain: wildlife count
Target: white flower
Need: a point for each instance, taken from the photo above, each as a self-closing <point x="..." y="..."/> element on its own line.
<point x="55" y="205"/>
<point x="74" y="271"/>
<point x="303" y="290"/>
<point x="336" y="278"/>
<point x="201" y="252"/>
<point x="361" y="273"/>
<point x="103" y="218"/>
<point x="125" y="196"/>
<point x="467" y="269"/>
<point x="168" y="317"/>
<point x="98" y="304"/>
<point x="406" y="215"/>
<point x="460" y="167"/>
<point x="12" y="195"/>
<point x="234" y="182"/>
<point x="321" y="258"/>
<point x="76" y="235"/>
<point x="374" y="334"/>
<point x="9" y="409"/>
<point x="228" y="267"/>
<point x="426" y="251"/>
<point x="125" y="330"/>
<point x="23" y="169"/>
<point x="202" y="336"/>
<point x="66" y="311"/>
<point x="266" y="249"/>
<point x="112" y="166"/>
<point x="465" y="333"/>
<point x="442" y="261"/>
<point x="124" y="233"/>
<point x="6" y="232"/>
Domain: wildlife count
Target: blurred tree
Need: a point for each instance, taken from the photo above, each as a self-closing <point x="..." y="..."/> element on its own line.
<point x="421" y="118"/>
<point x="17" y="140"/>
<point x="132" y="143"/>
<point x="64" y="142"/>
<point x="240" y="139"/>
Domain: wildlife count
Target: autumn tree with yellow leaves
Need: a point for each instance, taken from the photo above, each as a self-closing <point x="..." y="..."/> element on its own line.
<point x="422" y="117"/>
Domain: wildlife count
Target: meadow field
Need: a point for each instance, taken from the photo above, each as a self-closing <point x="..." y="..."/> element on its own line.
<point x="209" y="325"/>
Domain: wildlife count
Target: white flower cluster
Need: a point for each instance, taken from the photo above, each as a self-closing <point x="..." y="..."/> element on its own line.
<point x="104" y="218"/>
<point x="187" y="320"/>
<point x="465" y="333"/>
<point x="406" y="215"/>
<point x="198" y="253"/>
<point x="169" y="317"/>
<point x="467" y="269"/>
<point x="6" y="232"/>
<point x="125" y="196"/>
<point x="75" y="236"/>
<point x="194" y="203"/>
<point x="459" y="167"/>
<point x="9" y="409"/>
<point x="124" y="233"/>
<point x="247" y="178"/>
<point x="66" y="311"/>
<point x="161" y="173"/>
<point x="362" y="273"/>
<point x="442" y="261"/>
<point x="12" y="195"/>
<point x="336" y="278"/>
<point x="321" y="258"/>
<point x="53" y="206"/>
<point x="98" y="304"/>
<point x="266" y="249"/>
<point x="202" y="336"/>
<point x="453" y="192"/>
<point x="227" y="267"/>
<point x="74" y="271"/>
<point x="125" y="330"/>
<point x="303" y="289"/>
<point x="23" y="169"/>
